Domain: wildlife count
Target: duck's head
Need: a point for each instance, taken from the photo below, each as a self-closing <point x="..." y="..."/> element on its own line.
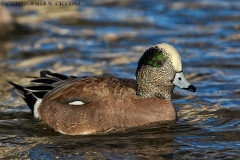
<point x="159" y="71"/>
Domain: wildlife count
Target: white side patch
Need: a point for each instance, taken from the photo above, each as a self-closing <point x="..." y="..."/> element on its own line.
<point x="76" y="103"/>
<point x="35" y="108"/>
<point x="175" y="56"/>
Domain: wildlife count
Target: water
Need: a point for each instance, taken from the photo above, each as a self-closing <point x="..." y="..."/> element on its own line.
<point x="109" y="37"/>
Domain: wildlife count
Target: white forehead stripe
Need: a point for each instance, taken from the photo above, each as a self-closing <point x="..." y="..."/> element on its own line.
<point x="175" y="57"/>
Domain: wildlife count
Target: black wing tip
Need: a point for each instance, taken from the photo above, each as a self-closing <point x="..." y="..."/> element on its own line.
<point x="57" y="76"/>
<point x="30" y="94"/>
<point x="43" y="73"/>
<point x="44" y="80"/>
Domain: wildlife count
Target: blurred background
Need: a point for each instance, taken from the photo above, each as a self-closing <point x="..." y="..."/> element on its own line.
<point x="109" y="36"/>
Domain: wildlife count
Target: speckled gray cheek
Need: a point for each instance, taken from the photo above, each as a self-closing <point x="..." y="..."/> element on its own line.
<point x="154" y="82"/>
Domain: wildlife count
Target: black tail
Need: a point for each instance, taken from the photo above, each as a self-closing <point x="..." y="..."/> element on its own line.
<point x="42" y="86"/>
<point x="28" y="97"/>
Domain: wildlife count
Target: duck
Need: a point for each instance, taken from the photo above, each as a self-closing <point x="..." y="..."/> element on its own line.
<point x="100" y="104"/>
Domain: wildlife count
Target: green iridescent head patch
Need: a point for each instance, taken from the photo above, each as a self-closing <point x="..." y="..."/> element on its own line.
<point x="152" y="56"/>
<point x="156" y="60"/>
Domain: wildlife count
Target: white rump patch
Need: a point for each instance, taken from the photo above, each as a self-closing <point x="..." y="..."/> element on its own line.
<point x="76" y="103"/>
<point x="175" y="56"/>
<point x="35" y="108"/>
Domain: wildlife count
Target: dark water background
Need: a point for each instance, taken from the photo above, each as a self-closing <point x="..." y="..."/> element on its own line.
<point x="109" y="37"/>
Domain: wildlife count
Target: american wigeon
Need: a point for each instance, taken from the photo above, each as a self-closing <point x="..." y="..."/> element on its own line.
<point x="76" y="106"/>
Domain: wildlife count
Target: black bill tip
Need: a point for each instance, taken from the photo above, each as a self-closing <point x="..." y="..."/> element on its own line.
<point x="191" y="88"/>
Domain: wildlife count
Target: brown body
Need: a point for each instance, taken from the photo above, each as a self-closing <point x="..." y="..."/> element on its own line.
<point x="110" y="104"/>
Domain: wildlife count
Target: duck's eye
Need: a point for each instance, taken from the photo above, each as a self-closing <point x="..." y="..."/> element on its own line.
<point x="180" y="78"/>
<point x="159" y="63"/>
